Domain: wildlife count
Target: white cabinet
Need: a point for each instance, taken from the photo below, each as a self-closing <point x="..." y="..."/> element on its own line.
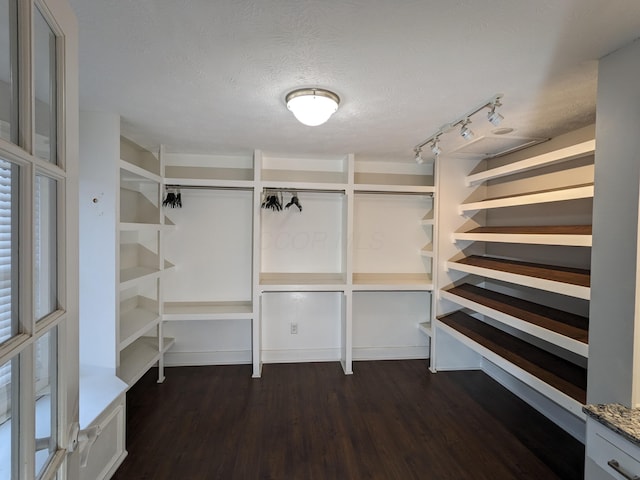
<point x="613" y="453"/>
<point x="108" y="452"/>
<point x="514" y="284"/>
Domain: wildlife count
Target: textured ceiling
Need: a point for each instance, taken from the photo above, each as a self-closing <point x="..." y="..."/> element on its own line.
<point x="210" y="76"/>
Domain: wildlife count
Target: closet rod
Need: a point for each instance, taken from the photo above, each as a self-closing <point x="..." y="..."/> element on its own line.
<point x="309" y="190"/>
<point x="207" y="187"/>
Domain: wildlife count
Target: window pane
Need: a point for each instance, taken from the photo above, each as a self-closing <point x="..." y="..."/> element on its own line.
<point x="9" y="176"/>
<point x="8" y="77"/>
<point x="8" y="429"/>
<point x="46" y="265"/>
<point x="46" y="394"/>
<point x="45" y="86"/>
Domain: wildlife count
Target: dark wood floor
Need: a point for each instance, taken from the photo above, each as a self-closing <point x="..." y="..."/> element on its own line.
<point x="390" y="420"/>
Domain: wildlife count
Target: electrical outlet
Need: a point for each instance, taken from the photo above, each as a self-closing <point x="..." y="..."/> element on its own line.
<point x="294" y="328"/>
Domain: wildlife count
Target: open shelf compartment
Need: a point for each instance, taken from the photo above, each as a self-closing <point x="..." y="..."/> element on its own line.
<point x="567" y="235"/>
<point x="558" y="379"/>
<point x="240" y="310"/>
<point x="567" y="330"/>
<point x="570" y="281"/>
<point x="140" y="356"/>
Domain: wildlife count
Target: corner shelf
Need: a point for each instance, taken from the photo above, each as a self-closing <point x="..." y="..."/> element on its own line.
<point x="176" y="311"/>
<point x="567" y="235"/>
<point x="567" y="330"/>
<point x="137" y="321"/>
<point x="140" y="356"/>
<point x="545" y="196"/>
<point x="560" y="380"/>
<point x="135" y="175"/>
<point x="426" y="328"/>
<point x="570" y="281"/>
<point x="130" y="277"/>
<point x="556" y="156"/>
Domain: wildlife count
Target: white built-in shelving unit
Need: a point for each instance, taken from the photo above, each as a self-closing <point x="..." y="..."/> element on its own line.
<point x="514" y="289"/>
<point x="255" y="285"/>
<point x="141" y="227"/>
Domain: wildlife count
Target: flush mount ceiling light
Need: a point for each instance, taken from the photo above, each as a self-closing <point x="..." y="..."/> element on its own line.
<point x="312" y="106"/>
<point x="463" y="122"/>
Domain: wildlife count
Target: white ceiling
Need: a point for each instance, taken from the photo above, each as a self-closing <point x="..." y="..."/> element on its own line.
<point x="209" y="76"/>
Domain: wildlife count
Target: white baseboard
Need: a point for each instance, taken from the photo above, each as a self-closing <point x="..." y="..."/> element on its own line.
<point x="558" y="415"/>
<point x="187" y="359"/>
<point x="390" y="353"/>
<point x="306" y="355"/>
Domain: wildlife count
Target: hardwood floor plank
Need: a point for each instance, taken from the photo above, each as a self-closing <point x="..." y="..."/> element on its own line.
<point x="390" y="420"/>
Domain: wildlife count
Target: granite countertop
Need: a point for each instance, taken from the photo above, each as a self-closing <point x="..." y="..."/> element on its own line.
<point x="620" y="419"/>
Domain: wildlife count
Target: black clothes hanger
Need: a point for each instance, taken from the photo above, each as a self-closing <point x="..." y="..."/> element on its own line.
<point x="173" y="198"/>
<point x="294" y="201"/>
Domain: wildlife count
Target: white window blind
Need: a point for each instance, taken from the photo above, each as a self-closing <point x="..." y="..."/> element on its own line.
<point x="6" y="327"/>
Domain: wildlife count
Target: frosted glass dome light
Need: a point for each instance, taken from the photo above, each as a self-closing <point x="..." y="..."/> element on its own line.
<point x="312" y="106"/>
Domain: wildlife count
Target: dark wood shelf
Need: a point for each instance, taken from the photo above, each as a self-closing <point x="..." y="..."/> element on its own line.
<point x="558" y="321"/>
<point x="560" y="374"/>
<point x="536" y="230"/>
<point x="573" y="276"/>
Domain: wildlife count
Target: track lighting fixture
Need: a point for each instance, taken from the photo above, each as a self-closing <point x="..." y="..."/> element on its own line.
<point x="494" y="117"/>
<point x="435" y="146"/>
<point x="465" y="131"/>
<point x="463" y="122"/>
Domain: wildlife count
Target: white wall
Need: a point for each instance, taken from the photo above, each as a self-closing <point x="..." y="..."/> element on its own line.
<point x="99" y="151"/>
<point x="613" y="331"/>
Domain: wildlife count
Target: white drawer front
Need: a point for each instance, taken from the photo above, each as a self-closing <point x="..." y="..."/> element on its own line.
<point x="604" y="446"/>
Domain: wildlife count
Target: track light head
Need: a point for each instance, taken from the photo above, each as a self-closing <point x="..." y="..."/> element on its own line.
<point x="494" y="117"/>
<point x="465" y="131"/>
<point x="435" y="147"/>
<point x="419" y="159"/>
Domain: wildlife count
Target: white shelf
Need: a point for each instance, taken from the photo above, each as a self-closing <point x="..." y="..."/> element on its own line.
<point x="427" y="251"/>
<point x="302" y="281"/>
<point x="425" y="328"/>
<point x="427" y="219"/>
<point x="545" y="334"/>
<point x="534" y="382"/>
<point x="139" y="357"/>
<point x="130" y="277"/>
<point x="304" y="178"/>
<point x="135" y="323"/>
<point x="209" y="176"/>
<point x="577" y="236"/>
<point x="135" y="208"/>
<point x="527" y="280"/>
<point x="392" y="281"/>
<point x="558" y="195"/>
<point x="139" y="227"/>
<point x="176" y="311"/>
<point x="393" y="182"/>
<point x="136" y="174"/>
<point x="550" y="158"/>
